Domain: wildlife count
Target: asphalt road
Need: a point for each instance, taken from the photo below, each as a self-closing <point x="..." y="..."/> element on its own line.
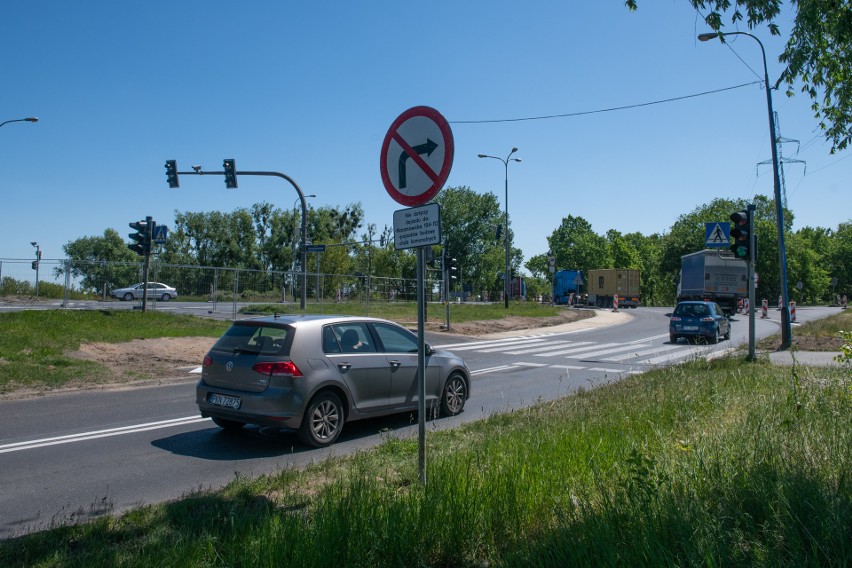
<point x="67" y="457"/>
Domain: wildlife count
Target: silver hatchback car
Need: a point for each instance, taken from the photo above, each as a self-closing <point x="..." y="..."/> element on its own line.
<point x="311" y="374"/>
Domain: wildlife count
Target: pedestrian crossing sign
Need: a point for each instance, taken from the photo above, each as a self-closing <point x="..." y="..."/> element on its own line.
<point x="717" y="234"/>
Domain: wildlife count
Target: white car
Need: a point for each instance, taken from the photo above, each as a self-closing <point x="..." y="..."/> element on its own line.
<point x="156" y="290"/>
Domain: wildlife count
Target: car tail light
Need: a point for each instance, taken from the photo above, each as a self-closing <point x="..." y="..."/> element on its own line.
<point x="709" y="318"/>
<point x="208" y="361"/>
<point x="273" y="368"/>
<point x="675" y="318"/>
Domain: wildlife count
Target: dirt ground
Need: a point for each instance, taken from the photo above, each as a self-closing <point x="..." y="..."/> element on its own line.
<point x="170" y="357"/>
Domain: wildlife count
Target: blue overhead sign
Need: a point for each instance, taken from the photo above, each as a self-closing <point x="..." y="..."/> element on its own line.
<point x="717" y="235"/>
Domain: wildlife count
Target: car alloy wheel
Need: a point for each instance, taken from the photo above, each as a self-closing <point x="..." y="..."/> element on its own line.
<point x="454" y="396"/>
<point x="323" y="420"/>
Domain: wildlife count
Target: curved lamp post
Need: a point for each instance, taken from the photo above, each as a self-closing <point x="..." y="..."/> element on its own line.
<point x="786" y="331"/>
<point x="30" y="119"/>
<point x="506" y="274"/>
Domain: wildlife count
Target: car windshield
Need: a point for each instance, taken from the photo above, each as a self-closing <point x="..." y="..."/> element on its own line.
<point x="260" y="339"/>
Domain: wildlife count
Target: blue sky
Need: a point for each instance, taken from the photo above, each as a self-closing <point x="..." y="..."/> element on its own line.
<point x="310" y="89"/>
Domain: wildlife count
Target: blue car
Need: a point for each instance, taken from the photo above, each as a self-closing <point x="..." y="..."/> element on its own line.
<point x="699" y="320"/>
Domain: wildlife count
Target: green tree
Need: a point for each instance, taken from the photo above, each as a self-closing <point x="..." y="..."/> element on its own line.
<point x="839" y="259"/>
<point x="101" y="261"/>
<point x="806" y="250"/>
<point x="818" y="52"/>
<point x="655" y="291"/>
<point x="577" y="247"/>
<point x="468" y="229"/>
<point x="622" y="251"/>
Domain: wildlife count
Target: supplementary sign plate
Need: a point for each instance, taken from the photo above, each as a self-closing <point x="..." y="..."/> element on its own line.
<point x="417" y="227"/>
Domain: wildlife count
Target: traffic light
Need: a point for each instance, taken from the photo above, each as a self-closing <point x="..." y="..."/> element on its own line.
<point x="741" y="234"/>
<point x="171" y="173"/>
<point x="452" y="268"/>
<point x="142" y="236"/>
<point x="230" y="174"/>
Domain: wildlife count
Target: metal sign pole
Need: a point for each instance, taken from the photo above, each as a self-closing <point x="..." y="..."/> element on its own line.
<point x="421" y="366"/>
<point x="750" y="277"/>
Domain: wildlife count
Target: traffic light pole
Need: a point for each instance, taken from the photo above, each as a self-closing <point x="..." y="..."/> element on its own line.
<point x="230" y="179"/>
<point x="751" y="292"/>
<point x="147" y="264"/>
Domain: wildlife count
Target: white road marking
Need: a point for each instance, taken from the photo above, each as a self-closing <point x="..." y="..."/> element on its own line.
<point x="83" y="436"/>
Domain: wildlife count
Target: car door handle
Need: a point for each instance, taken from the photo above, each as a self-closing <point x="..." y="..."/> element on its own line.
<point x="344" y="366"/>
<point x="395" y="363"/>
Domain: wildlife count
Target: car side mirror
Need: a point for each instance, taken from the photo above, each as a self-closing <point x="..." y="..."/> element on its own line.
<point x="429" y="350"/>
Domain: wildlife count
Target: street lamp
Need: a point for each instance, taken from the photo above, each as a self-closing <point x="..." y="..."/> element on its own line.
<point x="36" y="263"/>
<point x="506" y="274"/>
<point x="786" y="328"/>
<point x="30" y="119"/>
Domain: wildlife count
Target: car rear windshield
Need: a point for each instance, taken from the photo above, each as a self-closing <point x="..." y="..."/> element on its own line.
<point x="254" y="338"/>
<point x="692" y="310"/>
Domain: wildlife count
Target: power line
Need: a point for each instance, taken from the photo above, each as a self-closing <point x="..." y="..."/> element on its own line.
<point x="598" y="111"/>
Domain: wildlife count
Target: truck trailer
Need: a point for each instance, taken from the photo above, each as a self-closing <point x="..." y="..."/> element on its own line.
<point x="714" y="276"/>
<point x="605" y="284"/>
<point x="566" y="283"/>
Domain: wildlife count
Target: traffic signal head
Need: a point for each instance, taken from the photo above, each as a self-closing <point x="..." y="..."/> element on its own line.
<point x="741" y="228"/>
<point x="142" y="237"/>
<point x="452" y="268"/>
<point x="171" y="173"/>
<point x="230" y="174"/>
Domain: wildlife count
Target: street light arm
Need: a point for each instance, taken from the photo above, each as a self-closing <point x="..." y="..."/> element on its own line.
<point x="29" y="119"/>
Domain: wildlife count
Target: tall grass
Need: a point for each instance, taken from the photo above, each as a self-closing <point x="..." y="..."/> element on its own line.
<point x="707" y="464"/>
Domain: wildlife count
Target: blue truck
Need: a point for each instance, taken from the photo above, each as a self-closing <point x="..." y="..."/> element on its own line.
<point x="565" y="283"/>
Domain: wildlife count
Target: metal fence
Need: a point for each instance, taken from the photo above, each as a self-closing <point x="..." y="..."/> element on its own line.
<point x="221" y="290"/>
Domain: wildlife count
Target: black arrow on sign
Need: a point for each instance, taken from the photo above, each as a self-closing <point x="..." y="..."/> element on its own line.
<point x="426" y="148"/>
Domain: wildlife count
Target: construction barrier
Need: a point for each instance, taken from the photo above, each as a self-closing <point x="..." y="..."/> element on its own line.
<point x="764" y="309"/>
<point x="745" y="306"/>
<point x="615" y="303"/>
<point x="780" y="302"/>
<point x="792" y="311"/>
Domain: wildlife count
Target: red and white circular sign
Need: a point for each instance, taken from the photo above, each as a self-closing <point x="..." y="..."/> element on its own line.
<point x="417" y="155"/>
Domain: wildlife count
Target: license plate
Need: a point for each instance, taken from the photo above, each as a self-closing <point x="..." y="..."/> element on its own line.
<point x="222" y="400"/>
<point x="690" y="328"/>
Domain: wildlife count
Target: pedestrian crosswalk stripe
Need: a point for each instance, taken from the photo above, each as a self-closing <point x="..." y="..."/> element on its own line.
<point x="651" y="351"/>
<point x="554" y="346"/>
<point x="574" y="351"/>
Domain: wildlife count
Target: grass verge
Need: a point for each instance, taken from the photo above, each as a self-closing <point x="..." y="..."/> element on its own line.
<point x="710" y="464"/>
<point x="818" y="335"/>
<point x="34" y="344"/>
<point x="404" y="312"/>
